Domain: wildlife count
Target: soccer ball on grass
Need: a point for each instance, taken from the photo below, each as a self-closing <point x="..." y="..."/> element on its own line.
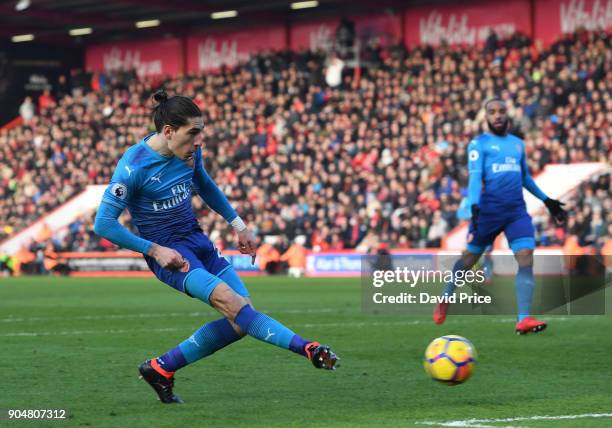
<point x="450" y="359"/>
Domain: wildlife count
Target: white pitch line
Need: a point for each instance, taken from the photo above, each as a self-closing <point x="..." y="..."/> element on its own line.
<point x="156" y="315"/>
<point x="84" y="332"/>
<point x="153" y="330"/>
<point x="204" y="314"/>
<point x="159" y="330"/>
<point x="364" y="323"/>
<point x="484" y="423"/>
<point x="307" y="325"/>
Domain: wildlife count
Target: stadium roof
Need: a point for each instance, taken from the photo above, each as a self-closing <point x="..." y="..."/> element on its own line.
<point x="111" y="20"/>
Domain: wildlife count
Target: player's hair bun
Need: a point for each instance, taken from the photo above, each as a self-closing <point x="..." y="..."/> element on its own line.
<point x="160" y="96"/>
<point x="174" y="111"/>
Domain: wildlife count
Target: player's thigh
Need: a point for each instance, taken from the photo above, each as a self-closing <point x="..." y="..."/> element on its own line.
<point x="483" y="235"/>
<point x="231" y="278"/>
<point x="201" y="284"/>
<point x="229" y="303"/>
<point x="520" y="233"/>
<point x="208" y="254"/>
<point x="176" y="278"/>
<point x="218" y="265"/>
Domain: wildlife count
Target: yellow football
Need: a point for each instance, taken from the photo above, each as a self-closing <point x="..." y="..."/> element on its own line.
<point x="450" y="359"/>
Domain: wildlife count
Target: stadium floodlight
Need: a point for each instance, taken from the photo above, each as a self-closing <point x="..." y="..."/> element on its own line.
<point x="22" y="38"/>
<point x="22" y="5"/>
<point x="224" y="14"/>
<point x="147" y="24"/>
<point x="304" y="4"/>
<point x="80" y="31"/>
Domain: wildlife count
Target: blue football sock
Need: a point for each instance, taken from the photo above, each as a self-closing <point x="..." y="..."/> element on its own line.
<point x="205" y="341"/>
<point x="524" y="291"/>
<point x="450" y="285"/>
<point x="172" y="360"/>
<point x="266" y="329"/>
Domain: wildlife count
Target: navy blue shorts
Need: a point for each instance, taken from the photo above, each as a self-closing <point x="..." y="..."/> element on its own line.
<point x="202" y="256"/>
<point x="517" y="228"/>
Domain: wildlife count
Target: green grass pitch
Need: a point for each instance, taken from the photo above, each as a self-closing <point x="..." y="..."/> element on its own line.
<point x="75" y="344"/>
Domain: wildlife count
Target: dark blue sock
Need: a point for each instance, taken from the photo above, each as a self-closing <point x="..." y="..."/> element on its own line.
<point x="298" y="345"/>
<point x="203" y="342"/>
<point x="172" y="360"/>
<point x="524" y="291"/>
<point x="266" y="329"/>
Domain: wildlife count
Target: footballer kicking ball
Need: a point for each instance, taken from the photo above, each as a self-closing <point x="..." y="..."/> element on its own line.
<point x="450" y="359"/>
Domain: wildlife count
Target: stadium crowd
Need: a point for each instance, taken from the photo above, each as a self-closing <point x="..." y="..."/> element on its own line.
<point x="378" y="158"/>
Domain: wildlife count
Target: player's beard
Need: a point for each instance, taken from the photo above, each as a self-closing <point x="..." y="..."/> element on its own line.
<point x="500" y="130"/>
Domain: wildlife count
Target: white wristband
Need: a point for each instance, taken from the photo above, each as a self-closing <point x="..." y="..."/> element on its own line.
<point x="238" y="224"/>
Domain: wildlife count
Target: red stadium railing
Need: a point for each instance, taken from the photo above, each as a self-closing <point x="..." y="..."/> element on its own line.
<point x="12" y="124"/>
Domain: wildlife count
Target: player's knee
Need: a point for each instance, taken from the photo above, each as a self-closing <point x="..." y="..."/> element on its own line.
<point x="524" y="257"/>
<point x="235" y="326"/>
<point x="469" y="259"/>
<point x="227" y="301"/>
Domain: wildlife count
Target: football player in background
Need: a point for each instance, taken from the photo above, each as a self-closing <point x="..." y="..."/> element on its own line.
<point x="497" y="174"/>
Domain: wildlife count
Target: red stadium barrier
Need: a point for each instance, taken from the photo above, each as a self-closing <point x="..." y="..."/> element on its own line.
<point x="119" y="274"/>
<point x="131" y="264"/>
<point x="343" y="263"/>
<point x="12" y="124"/>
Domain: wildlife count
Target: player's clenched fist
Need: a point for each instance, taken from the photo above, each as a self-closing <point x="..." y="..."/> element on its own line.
<point x="247" y="243"/>
<point x="167" y="258"/>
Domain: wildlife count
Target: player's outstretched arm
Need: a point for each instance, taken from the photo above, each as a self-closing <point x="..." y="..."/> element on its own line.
<point x="475" y="167"/>
<point x="125" y="181"/>
<point x="528" y="181"/>
<point x="115" y="199"/>
<point x="107" y="225"/>
<point x="554" y="206"/>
